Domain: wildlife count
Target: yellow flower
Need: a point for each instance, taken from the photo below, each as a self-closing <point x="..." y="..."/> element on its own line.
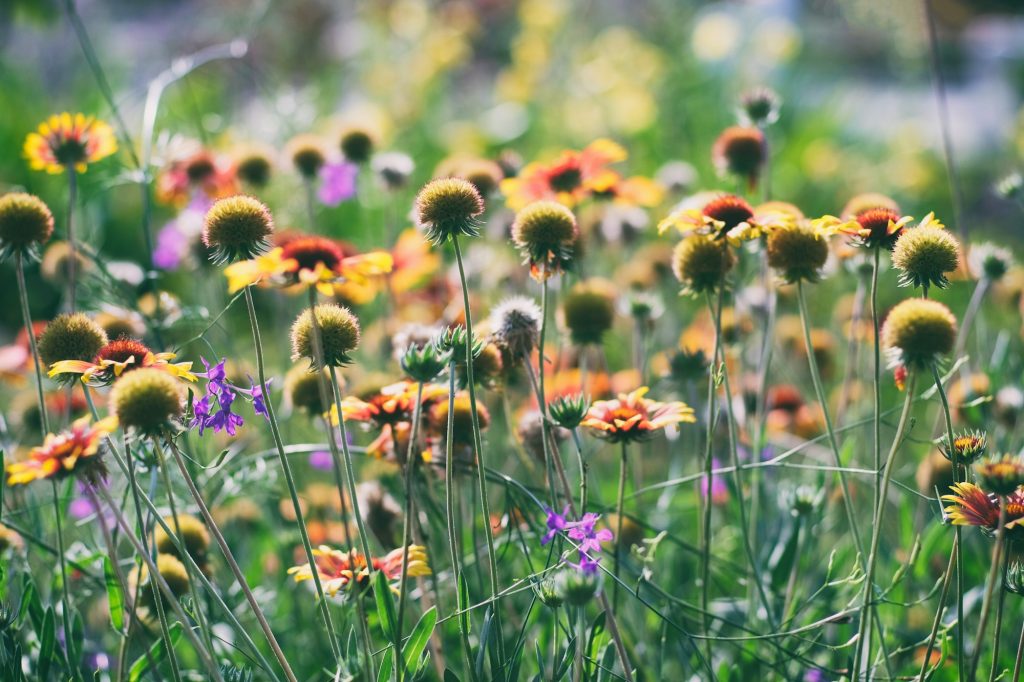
<point x="117" y="357"/>
<point x="351" y="276"/>
<point x="337" y="569"/>
<point x="69" y="140"/>
<point x="632" y="417"/>
<point x="59" y="455"/>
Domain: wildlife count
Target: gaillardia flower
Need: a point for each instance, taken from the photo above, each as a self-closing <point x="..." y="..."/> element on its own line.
<point x="568" y="179"/>
<point x="970" y="505"/>
<point x="879" y="227"/>
<point x="632" y="417"/>
<point x="171" y="570"/>
<point x="118" y="357"/>
<point x="337" y="569"/>
<point x="449" y="207"/>
<point x="147" y="400"/>
<point x="724" y="216"/>
<point x="924" y="254"/>
<point x="339" y="334"/>
<point x="25" y="223"/>
<point x="389" y="409"/>
<point x="70" y="452"/>
<point x="917" y="332"/>
<point x="1001" y="475"/>
<point x="740" y="151"/>
<point x="798" y="248"/>
<point x="968" y="446"/>
<point x="701" y="263"/>
<point x="71" y="337"/>
<point x="237" y="228"/>
<point x="544" y="232"/>
<point x="311" y="261"/>
<point x="307" y="154"/>
<point x="69" y="141"/>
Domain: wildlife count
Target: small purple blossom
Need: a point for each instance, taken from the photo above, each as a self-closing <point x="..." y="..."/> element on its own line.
<point x="584" y="533"/>
<point x="259" y="401"/>
<point x="556" y="523"/>
<point x="217" y="388"/>
<point x="337" y="182"/>
<point x="321" y="460"/>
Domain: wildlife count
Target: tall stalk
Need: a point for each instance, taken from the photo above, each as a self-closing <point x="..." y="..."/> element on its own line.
<point x="946" y="581"/>
<point x="275" y="430"/>
<point x="705" y="498"/>
<point x="73" y="667"/>
<point x="868" y="604"/>
<point x="411" y="457"/>
<point x="26" y="317"/>
<point x="990" y="586"/>
<point x="72" y="242"/>
<point x="619" y="504"/>
<point x="876" y="375"/>
<point x="485" y="507"/>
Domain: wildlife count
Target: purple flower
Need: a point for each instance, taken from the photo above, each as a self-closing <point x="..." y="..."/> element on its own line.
<point x="337" y="182"/>
<point x="217" y="388"/>
<point x="321" y="460"/>
<point x="556" y="522"/>
<point x="584" y="533"/>
<point x="171" y="247"/>
<point x="719" y="489"/>
<point x="259" y="402"/>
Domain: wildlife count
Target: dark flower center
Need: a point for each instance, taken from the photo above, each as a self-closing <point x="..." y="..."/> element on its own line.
<point x="730" y="210"/>
<point x="121" y="350"/>
<point x="308" y="251"/>
<point x="566" y="179"/>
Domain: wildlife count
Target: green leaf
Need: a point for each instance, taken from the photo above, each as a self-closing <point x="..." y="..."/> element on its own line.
<point x="156" y="653"/>
<point x="385" y="605"/>
<point x="419" y="638"/>
<point x="485" y="637"/>
<point x="47" y="643"/>
<point x="387" y="665"/>
<point x="115" y="596"/>
<point x="463" y="602"/>
<point x="449" y="676"/>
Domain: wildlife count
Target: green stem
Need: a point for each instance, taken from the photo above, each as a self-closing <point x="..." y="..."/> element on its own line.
<point x="998" y="635"/>
<point x="26" y="316"/>
<point x="946" y="581"/>
<point x="1020" y="656"/>
<point x="485" y="506"/>
<point x="232" y="564"/>
<point x="412" y="456"/>
<point x="867" y="608"/>
<point x="275" y="430"/>
<point x="582" y="463"/>
<point x="619" y="505"/>
<point x="705" y="497"/>
<point x="73" y="667"/>
<point x="72" y="242"/>
<point x="990" y="586"/>
<point x="877" y="375"/>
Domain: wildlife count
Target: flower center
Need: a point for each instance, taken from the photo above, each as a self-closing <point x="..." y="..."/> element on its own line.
<point x="121" y="350"/>
<point x="308" y="251"/>
<point x="730" y="210"/>
<point x="566" y="179"/>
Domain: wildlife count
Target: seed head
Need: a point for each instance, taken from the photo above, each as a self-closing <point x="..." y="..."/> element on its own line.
<point x="701" y="263"/>
<point x="917" y="332"/>
<point x="237" y="228"/>
<point x="515" y="324"/>
<point x="307" y="155"/>
<point x="339" y="333"/>
<point x="302" y="389"/>
<point x="194" y="536"/>
<point x="544" y="232"/>
<point x="147" y="400"/>
<point x="356" y="144"/>
<point x="71" y="337"/>
<point x="798" y="253"/>
<point x="449" y="207"/>
<point x="254" y="168"/>
<point x="924" y="255"/>
<point x="588" y="311"/>
<point x="760" y="107"/>
<point x="989" y="261"/>
<point x="740" y="151"/>
<point x="25" y="223"/>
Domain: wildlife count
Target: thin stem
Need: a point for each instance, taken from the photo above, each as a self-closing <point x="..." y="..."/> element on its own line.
<point x="990" y="586"/>
<point x="275" y="430"/>
<point x="72" y="242"/>
<point x="946" y="581"/>
<point x="232" y="564"/>
<point x="412" y="456"/>
<point x="619" y="504"/>
<point x="998" y="635"/>
<point x="1020" y="656"/>
<point x="705" y="497"/>
<point x="582" y="463"/>
<point x="454" y="543"/>
<point x="485" y="506"/>
<point x="26" y="317"/>
<point x="877" y="375"/>
<point x="65" y="599"/>
<point x="867" y="608"/>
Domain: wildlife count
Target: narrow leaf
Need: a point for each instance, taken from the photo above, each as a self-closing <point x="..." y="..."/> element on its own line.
<point x="47" y="643"/>
<point x="115" y="596"/>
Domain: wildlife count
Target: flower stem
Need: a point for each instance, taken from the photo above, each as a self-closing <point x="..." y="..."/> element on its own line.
<point x="72" y="242"/>
<point x="454" y="542"/>
<point x="26" y="316"/>
<point x="998" y="635"/>
<point x="583" y="470"/>
<point x="73" y="668"/>
<point x="411" y="458"/>
<point x="478" y="447"/>
<point x="1020" y="656"/>
<point x="990" y="586"/>
<point x="705" y="497"/>
<point x="946" y="581"/>
<point x="867" y="608"/>
<point x="619" y="505"/>
<point x="876" y="376"/>
<point x="232" y="564"/>
<point x="275" y="430"/>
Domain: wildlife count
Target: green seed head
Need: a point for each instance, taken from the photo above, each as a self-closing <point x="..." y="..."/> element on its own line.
<point x="339" y="334"/>
<point x="237" y="228"/>
<point x="701" y="263"/>
<point x="147" y="400"/>
<point x="797" y="253"/>
<point x="25" y="223"/>
<point x="71" y="337"/>
<point x="924" y="255"/>
<point x="918" y="331"/>
<point x="449" y="207"/>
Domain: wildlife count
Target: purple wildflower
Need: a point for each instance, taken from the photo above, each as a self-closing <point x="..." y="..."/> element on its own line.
<point x="217" y="387"/>
<point x="337" y="182"/>
<point x="584" y="533"/>
<point x="259" y="401"/>
<point x="321" y="460"/>
<point x="556" y="522"/>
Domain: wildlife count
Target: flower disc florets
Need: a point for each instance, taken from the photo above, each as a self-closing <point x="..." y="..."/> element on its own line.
<point x="588" y="311"/>
<point x="71" y="337"/>
<point x="544" y="232"/>
<point x="798" y="252"/>
<point x="1002" y="475"/>
<point x="918" y="331"/>
<point x="701" y="263"/>
<point x="147" y="400"/>
<point x="339" y="333"/>
<point x="237" y="228"/>
<point x="449" y="207"/>
<point x="924" y="255"/>
<point x="25" y="223"/>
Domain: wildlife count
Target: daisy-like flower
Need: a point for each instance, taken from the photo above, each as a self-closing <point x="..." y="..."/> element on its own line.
<point x="632" y="417"/>
<point x="723" y="216"/>
<point x="414" y="262"/>
<point x="969" y="505"/>
<point x="310" y="261"/>
<point x="118" y="357"/>
<point x="390" y="410"/>
<point x="880" y="227"/>
<point x="72" y="451"/>
<point x="569" y="179"/>
<point x="69" y="141"/>
<point x="200" y="174"/>
<point x="337" y="569"/>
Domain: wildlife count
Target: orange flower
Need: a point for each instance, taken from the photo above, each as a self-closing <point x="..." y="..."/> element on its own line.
<point x="200" y="171"/>
<point x="118" y="357"/>
<point x="632" y="417"/>
<point x="62" y="454"/>
<point x="969" y="505"/>
<point x="66" y="140"/>
<point x="414" y="262"/>
<point x="390" y="410"/>
<point x="568" y="180"/>
<point x="337" y="569"/>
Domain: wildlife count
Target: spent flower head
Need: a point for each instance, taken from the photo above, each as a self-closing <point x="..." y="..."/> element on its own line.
<point x="917" y="332"/>
<point x="544" y="233"/>
<point x="759" y="107"/>
<point x="339" y="334"/>
<point x="237" y="228"/>
<point x="449" y="207"/>
<point x="515" y="324"/>
<point x="989" y="261"/>
<point x="924" y="254"/>
<point x="701" y="263"/>
<point x="25" y="224"/>
<point x="148" y="400"/>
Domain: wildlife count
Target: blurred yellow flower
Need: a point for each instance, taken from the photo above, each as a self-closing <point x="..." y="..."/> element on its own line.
<point x="69" y="140"/>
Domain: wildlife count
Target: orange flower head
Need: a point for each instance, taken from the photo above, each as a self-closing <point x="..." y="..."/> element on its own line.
<point x="69" y="141"/>
<point x="632" y="417"/>
<point x="118" y="357"/>
<point x="880" y="227"/>
<point x="969" y="505"/>
<point x="60" y="455"/>
<point x="338" y="570"/>
<point x="569" y="179"/>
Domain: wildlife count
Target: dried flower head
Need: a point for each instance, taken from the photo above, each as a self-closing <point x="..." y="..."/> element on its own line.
<point x="393" y="168"/>
<point x="307" y="154"/>
<point x="25" y="223"/>
<point x="760" y="107"/>
<point x="924" y="255"/>
<point x="588" y="311"/>
<point x="544" y="233"/>
<point x="254" y="168"/>
<point x="917" y="332"/>
<point x="701" y="263"/>
<point x="302" y="389"/>
<point x="515" y="324"/>
<point x="449" y="207"/>
<point x="339" y="334"/>
<point x="989" y="261"/>
<point x="147" y="400"/>
<point x="1011" y="186"/>
<point x="72" y="336"/>
<point x="237" y="228"/>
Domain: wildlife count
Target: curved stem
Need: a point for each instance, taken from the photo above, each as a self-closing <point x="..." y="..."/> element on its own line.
<point x="867" y="607"/>
<point x="26" y="317"/>
<point x="485" y="507"/>
<point x="275" y="430"/>
<point x="990" y="586"/>
<point x="73" y="668"/>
